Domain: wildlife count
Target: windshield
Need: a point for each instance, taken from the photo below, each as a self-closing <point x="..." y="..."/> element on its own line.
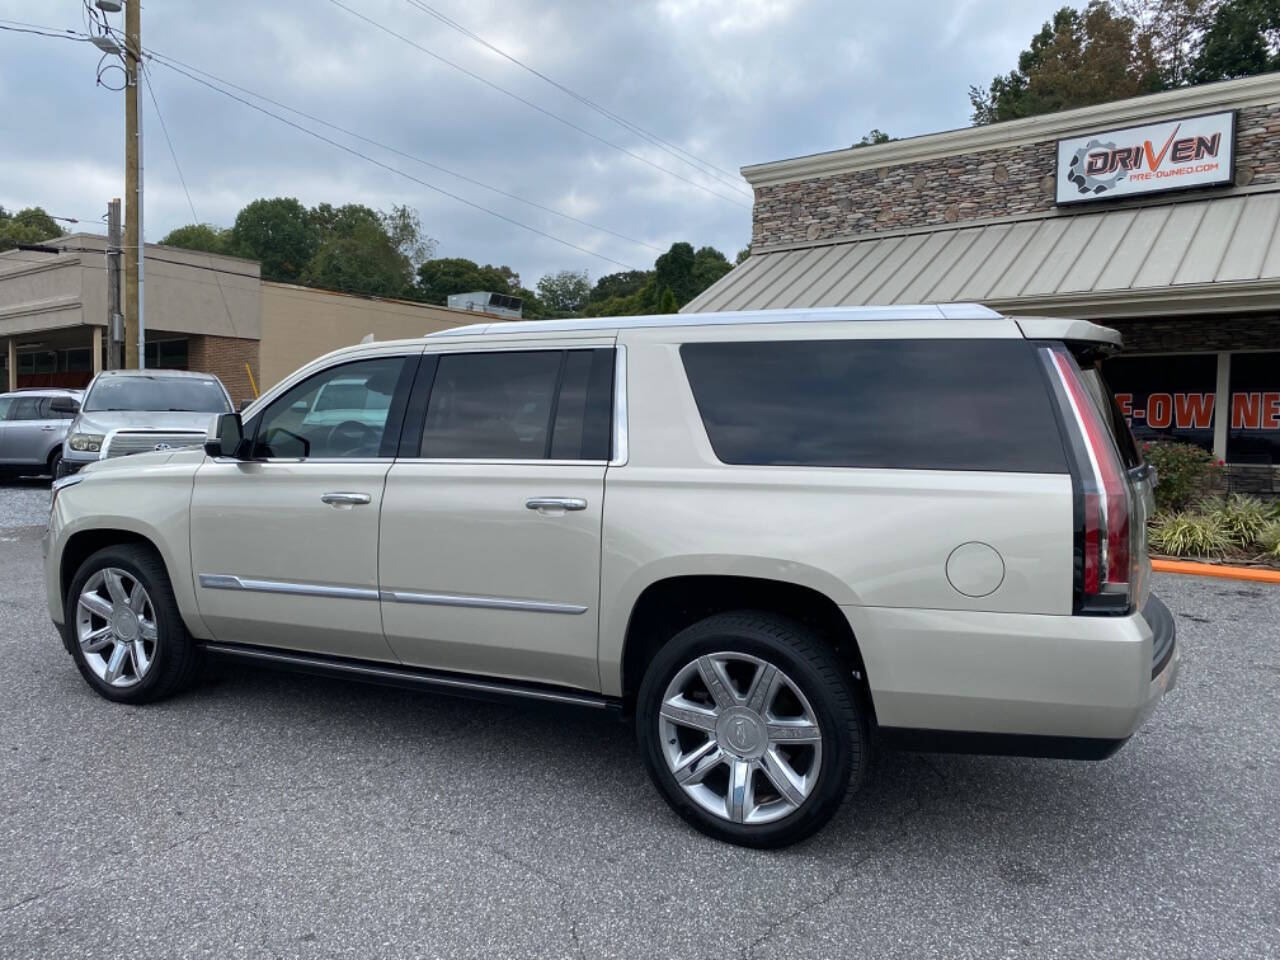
<point x="192" y="394"/>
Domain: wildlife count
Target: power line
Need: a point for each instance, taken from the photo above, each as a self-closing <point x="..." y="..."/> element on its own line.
<point x="386" y="166"/>
<point x="151" y="90"/>
<point x="529" y="103"/>
<point x="17" y="26"/>
<point x="159" y="57"/>
<point x="684" y="156"/>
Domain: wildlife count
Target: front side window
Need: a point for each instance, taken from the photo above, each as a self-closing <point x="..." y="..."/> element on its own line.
<point x="527" y="405"/>
<point x="339" y="413"/>
<point x="187" y="394"/>
<point x="889" y="404"/>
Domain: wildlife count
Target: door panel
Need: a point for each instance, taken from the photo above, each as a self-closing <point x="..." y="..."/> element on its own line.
<point x="28" y="435"/>
<point x="473" y="580"/>
<point x="276" y="565"/>
<point x="284" y="548"/>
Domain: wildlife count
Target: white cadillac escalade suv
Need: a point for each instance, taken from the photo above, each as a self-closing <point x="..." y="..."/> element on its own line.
<point x="773" y="539"/>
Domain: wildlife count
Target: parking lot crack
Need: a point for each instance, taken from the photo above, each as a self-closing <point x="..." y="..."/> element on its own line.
<point x="836" y="888"/>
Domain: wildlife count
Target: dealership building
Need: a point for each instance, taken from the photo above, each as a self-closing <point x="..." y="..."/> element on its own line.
<point x="1156" y="216"/>
<point x="203" y="312"/>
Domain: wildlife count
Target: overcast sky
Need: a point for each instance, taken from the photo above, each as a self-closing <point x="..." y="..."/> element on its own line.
<point x="733" y="83"/>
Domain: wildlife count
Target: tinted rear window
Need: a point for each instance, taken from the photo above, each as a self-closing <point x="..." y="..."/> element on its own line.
<point x="894" y="404"/>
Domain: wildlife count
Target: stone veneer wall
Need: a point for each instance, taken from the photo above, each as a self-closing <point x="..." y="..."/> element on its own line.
<point x="967" y="187"/>
<point x="1194" y="334"/>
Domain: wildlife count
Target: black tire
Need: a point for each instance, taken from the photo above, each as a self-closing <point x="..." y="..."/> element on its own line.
<point x="55" y="463"/>
<point x="176" y="658"/>
<point x="811" y="664"/>
<point x="60" y="468"/>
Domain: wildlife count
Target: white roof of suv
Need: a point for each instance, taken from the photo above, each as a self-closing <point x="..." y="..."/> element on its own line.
<point x="1038" y="328"/>
<point x="927" y="311"/>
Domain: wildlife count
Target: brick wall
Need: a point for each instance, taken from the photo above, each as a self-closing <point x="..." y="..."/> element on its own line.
<point x="1198" y="333"/>
<point x="225" y="357"/>
<point x="967" y="187"/>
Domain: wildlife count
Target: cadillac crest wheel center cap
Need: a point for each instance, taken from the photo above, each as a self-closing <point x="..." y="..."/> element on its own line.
<point x="741" y="732"/>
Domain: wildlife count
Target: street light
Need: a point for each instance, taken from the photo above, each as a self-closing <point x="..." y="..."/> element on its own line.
<point x="105" y="44"/>
<point x="108" y="6"/>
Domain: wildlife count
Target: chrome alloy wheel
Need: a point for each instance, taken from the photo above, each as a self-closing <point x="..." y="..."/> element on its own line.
<point x="116" y="627"/>
<point x="740" y="738"/>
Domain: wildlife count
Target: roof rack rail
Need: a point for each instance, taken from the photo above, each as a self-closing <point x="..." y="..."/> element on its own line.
<point x="923" y="311"/>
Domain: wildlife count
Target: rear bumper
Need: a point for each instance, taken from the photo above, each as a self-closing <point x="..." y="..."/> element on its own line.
<point x="1015" y="683"/>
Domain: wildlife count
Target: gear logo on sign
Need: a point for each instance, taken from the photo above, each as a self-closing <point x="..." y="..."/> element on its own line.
<point x="1086" y="182"/>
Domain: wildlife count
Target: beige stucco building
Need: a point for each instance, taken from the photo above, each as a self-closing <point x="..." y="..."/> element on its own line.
<point x="203" y="312"/>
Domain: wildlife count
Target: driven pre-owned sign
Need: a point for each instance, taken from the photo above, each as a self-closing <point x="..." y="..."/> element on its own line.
<point x="1174" y="155"/>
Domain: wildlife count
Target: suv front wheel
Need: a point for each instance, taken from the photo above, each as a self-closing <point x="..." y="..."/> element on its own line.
<point x="124" y="628"/>
<point x="750" y="728"/>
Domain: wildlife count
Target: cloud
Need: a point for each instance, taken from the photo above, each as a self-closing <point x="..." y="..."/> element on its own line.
<point x="731" y="82"/>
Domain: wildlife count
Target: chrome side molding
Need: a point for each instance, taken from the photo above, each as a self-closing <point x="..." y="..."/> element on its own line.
<point x="227" y="581"/>
<point x="490" y="603"/>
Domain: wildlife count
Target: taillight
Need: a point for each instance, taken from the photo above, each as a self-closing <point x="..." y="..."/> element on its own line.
<point x="1103" y="529"/>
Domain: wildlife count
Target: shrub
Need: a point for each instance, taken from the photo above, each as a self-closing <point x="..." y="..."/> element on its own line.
<point x="1184" y="473"/>
<point x="1242" y="518"/>
<point x="1269" y="540"/>
<point x="1189" y="534"/>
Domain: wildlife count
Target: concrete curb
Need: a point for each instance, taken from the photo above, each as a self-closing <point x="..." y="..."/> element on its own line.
<point x="1191" y="568"/>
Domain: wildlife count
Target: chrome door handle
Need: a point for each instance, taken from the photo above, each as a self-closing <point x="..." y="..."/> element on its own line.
<point x="48" y="429"/>
<point x="343" y="498"/>
<point x="556" y="503"/>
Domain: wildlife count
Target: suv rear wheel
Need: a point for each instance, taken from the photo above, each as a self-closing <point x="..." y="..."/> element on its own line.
<point x="125" y="632"/>
<point x="750" y="728"/>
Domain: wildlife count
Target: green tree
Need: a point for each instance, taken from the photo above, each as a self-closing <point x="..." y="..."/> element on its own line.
<point x="709" y="265"/>
<point x="667" y="302"/>
<point x="437" y="279"/>
<point x="674" y="269"/>
<point x="621" y="284"/>
<point x="365" y="261"/>
<point x="280" y="234"/>
<point x="1077" y="59"/>
<point x="875" y="136"/>
<point x="1243" y="40"/>
<point x="199" y="236"/>
<point x="565" y="292"/>
<point x="30" y="225"/>
<point x="742" y="254"/>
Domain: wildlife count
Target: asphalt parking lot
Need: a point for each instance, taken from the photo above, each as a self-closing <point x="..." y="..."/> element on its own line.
<point x="269" y="815"/>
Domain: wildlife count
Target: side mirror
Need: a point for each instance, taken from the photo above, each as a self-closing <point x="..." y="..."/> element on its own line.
<point x="226" y="437"/>
<point x="65" y="405"/>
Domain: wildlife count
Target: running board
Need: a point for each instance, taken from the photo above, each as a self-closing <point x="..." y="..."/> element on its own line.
<point x="411" y="678"/>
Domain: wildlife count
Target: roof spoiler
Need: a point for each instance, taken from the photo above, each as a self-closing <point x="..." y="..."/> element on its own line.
<point x="1077" y="331"/>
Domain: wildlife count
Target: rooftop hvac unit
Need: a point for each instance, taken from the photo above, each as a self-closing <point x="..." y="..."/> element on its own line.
<point x="484" y="301"/>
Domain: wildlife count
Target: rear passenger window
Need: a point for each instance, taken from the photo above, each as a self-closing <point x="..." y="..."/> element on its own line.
<point x="527" y="405"/>
<point x="892" y="404"/>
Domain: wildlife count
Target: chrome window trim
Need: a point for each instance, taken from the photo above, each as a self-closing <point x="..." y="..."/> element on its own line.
<point x="227" y="581"/>
<point x="621" y="438"/>
<point x="487" y="603"/>
<point x="491" y="462"/>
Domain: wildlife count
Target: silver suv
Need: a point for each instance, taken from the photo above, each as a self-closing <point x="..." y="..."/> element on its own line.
<point x="771" y="540"/>
<point x="135" y="411"/>
<point x="33" y="424"/>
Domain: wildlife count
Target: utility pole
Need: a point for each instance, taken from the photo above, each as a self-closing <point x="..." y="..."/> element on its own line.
<point x="115" y="320"/>
<point x="134" y="318"/>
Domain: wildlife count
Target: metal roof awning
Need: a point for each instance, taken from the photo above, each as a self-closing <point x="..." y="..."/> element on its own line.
<point x="1190" y="256"/>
